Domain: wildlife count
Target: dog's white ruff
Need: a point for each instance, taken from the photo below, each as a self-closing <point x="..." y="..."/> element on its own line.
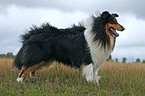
<point x="98" y="54"/>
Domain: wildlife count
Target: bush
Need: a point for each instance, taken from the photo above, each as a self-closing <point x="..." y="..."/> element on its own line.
<point x="124" y="60"/>
<point x="109" y="58"/>
<point x="2" y="55"/>
<point x="116" y="60"/>
<point x="143" y="61"/>
<point x="137" y="60"/>
<point x="8" y="55"/>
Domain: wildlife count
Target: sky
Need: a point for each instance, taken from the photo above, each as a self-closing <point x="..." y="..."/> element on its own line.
<point x="17" y="16"/>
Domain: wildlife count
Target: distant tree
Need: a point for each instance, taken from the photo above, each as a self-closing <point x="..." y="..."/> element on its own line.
<point x="143" y="61"/>
<point x="110" y="58"/>
<point x="2" y="55"/>
<point x="124" y="60"/>
<point x="116" y="60"/>
<point x="8" y="55"/>
<point x="137" y="60"/>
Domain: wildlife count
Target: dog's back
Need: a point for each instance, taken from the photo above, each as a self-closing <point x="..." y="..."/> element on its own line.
<point x="49" y="43"/>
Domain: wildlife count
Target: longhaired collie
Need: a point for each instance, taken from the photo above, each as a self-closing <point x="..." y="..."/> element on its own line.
<point x="88" y="44"/>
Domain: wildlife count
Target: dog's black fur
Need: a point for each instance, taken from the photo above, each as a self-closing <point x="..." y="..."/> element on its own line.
<point x="49" y="43"/>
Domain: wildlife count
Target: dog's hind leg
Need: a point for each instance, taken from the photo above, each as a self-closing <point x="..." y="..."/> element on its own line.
<point x="39" y="66"/>
<point x="23" y="73"/>
<point x="33" y="70"/>
<point x="19" y="79"/>
<point x="25" y="70"/>
<point x="32" y="74"/>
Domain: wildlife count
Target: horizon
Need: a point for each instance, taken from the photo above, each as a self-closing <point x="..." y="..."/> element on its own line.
<point x="128" y="60"/>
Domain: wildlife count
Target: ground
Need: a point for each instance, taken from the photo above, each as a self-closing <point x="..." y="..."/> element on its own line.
<point x="118" y="79"/>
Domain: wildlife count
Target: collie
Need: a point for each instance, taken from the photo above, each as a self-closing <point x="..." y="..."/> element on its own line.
<point x="88" y="44"/>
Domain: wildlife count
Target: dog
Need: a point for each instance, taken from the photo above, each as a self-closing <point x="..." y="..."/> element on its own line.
<point x="86" y="45"/>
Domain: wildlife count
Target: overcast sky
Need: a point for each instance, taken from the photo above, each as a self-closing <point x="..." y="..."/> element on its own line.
<point x="17" y="16"/>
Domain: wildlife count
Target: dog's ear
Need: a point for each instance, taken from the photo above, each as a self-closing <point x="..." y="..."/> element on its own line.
<point x="115" y="15"/>
<point x="105" y="14"/>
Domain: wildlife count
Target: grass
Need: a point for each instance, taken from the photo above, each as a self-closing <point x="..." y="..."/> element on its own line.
<point x="118" y="79"/>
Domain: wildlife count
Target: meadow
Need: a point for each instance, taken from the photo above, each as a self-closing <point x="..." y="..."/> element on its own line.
<point x="118" y="79"/>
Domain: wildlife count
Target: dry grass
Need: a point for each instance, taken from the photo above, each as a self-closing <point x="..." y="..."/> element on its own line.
<point x="123" y="67"/>
<point x="118" y="79"/>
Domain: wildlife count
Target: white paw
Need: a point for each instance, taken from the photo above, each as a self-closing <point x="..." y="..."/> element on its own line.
<point x="88" y="72"/>
<point x="89" y="78"/>
<point x="97" y="79"/>
<point x="19" y="79"/>
<point x="35" y="77"/>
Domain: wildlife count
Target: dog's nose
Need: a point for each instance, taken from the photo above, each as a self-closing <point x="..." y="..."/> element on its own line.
<point x="122" y="28"/>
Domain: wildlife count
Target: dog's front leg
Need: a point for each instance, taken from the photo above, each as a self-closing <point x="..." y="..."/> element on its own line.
<point x="87" y="71"/>
<point x="96" y="78"/>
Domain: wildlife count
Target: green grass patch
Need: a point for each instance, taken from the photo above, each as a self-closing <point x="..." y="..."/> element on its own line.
<point x="117" y="79"/>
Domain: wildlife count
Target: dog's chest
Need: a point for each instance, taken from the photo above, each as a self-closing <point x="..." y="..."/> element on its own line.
<point x="98" y="53"/>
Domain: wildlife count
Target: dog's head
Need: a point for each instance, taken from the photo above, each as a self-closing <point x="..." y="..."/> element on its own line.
<point x="112" y="25"/>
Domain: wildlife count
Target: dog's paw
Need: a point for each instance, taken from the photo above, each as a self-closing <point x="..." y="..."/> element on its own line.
<point x="97" y="80"/>
<point x="19" y="80"/>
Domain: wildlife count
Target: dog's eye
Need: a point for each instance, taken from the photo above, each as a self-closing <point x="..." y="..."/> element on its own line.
<point x="113" y="21"/>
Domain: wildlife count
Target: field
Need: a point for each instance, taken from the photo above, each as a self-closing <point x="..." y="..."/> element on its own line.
<point x="118" y="79"/>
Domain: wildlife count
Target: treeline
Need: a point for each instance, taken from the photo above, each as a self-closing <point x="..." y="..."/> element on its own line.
<point x="125" y="59"/>
<point x="8" y="55"/>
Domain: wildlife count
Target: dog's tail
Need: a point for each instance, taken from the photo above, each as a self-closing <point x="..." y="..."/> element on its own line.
<point x="17" y="64"/>
<point x="32" y="52"/>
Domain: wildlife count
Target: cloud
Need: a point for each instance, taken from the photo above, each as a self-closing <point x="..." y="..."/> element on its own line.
<point x="62" y="20"/>
<point x="16" y="16"/>
<point x="134" y="31"/>
<point x="131" y="53"/>
<point x="14" y="23"/>
<point x="130" y="43"/>
<point x="18" y="20"/>
<point x="89" y="6"/>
